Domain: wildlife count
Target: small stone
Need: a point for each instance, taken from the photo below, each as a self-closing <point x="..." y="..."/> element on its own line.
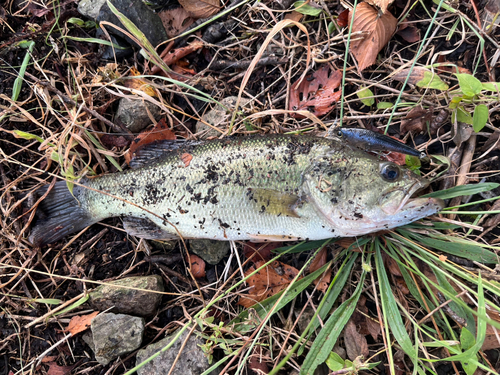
<point x="217" y="116"/>
<point x="134" y="114"/>
<point x="210" y="251"/>
<point x="90" y="8"/>
<point x="129" y="301"/>
<point x="192" y="361"/>
<point x="114" y="335"/>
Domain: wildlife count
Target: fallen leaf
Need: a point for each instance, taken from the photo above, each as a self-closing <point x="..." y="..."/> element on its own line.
<point x="446" y="66"/>
<point x="176" y="54"/>
<point x="186" y="159"/>
<point x="343" y="18"/>
<point x="113" y="140"/>
<point x="421" y="77"/>
<point x="319" y="261"/>
<point x="382" y="4"/>
<point x="37" y="10"/>
<point x="257" y="362"/>
<point x="139" y="83"/>
<point x="55" y="369"/>
<point x="378" y="29"/>
<point x="443" y="258"/>
<point x="416" y="121"/>
<point x="294" y="16"/>
<point x="159" y="132"/>
<point x="400" y="283"/>
<point x="355" y="343"/>
<point x="316" y="92"/>
<point x="175" y="21"/>
<point x="391" y="265"/>
<point x="409" y="33"/>
<point x="80" y="323"/>
<point x="182" y="67"/>
<point x="200" y="8"/>
<point x="197" y="266"/>
<point x="269" y="281"/>
<point x="263" y="250"/>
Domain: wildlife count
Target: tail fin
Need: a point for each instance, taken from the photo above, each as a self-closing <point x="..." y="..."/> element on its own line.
<point x="63" y="215"/>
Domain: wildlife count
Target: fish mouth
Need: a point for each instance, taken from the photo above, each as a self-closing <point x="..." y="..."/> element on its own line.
<point x="406" y="199"/>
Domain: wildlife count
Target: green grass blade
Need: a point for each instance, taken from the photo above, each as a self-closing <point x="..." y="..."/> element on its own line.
<point x="327" y="337"/>
<point x="95" y="40"/>
<point x="459" y="191"/>
<point x="100" y="147"/>
<point x="16" y="89"/>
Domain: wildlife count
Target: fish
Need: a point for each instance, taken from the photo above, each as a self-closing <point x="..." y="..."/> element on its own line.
<point x="257" y="188"/>
<point x="371" y="141"/>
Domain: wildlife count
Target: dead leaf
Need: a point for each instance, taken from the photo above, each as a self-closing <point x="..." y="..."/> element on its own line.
<point x="257" y="362"/>
<point x="319" y="261"/>
<point x="421" y="77"/>
<point x="343" y="18"/>
<point x="491" y="341"/>
<point x="373" y="327"/>
<point x="79" y="323"/>
<point x="197" y="266"/>
<point x="55" y="369"/>
<point x="263" y="250"/>
<point x="267" y="282"/>
<point x="391" y="265"/>
<point x="416" y="121"/>
<point x="400" y="283"/>
<point x="378" y="29"/>
<point x="355" y="343"/>
<point x="382" y="4"/>
<point x="200" y="8"/>
<point x="186" y="159"/>
<point x="176" y="54"/>
<point x="175" y="21"/>
<point x="316" y="92"/>
<point x="409" y="33"/>
<point x="139" y="83"/>
<point x="294" y="16"/>
<point x="113" y="140"/>
<point x="461" y="132"/>
<point x="160" y="132"/>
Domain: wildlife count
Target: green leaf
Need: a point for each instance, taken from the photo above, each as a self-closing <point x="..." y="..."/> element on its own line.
<point x="491" y="86"/>
<point x="304" y="8"/>
<point x="384" y="105"/>
<point x="334" y="362"/>
<point x="96" y="41"/>
<point x="467" y="339"/>
<point x="327" y="337"/>
<point x="48" y="301"/>
<point x="368" y="94"/>
<point x="27" y="136"/>
<point x="461" y="115"/>
<point x="469" y="84"/>
<point x="459" y="191"/>
<point x="412" y="162"/>
<point x="331" y="28"/>
<point x="432" y="81"/>
<point x="480" y="117"/>
<point x="16" y="89"/>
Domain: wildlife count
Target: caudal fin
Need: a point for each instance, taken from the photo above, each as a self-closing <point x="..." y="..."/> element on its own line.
<point x="62" y="215"/>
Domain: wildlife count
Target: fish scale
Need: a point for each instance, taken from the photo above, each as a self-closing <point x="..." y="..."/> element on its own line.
<point x="261" y="188"/>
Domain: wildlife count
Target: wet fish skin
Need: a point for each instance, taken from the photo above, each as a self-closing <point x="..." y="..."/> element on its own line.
<point x="372" y="141"/>
<point x="270" y="188"/>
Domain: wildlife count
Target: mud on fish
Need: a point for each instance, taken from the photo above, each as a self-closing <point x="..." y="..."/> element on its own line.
<point x="260" y="188"/>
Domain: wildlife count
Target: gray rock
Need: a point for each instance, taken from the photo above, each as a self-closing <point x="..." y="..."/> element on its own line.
<point x="141" y="16"/>
<point x="209" y="250"/>
<point x="90" y="8"/>
<point x="191" y="362"/>
<point x="134" y="115"/>
<point x="114" y="335"/>
<point x="129" y="301"/>
<point x="217" y="116"/>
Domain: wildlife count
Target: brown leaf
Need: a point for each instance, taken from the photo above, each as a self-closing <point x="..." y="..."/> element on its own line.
<point x="263" y="250"/>
<point x="160" y="132"/>
<point x="343" y="18"/>
<point x="294" y="16"/>
<point x="139" y="83"/>
<point x="197" y="266"/>
<point x="382" y="4"/>
<point x="373" y="327"/>
<point x="416" y="120"/>
<point x="257" y="362"/>
<point x="175" y="21"/>
<point x="55" y="369"/>
<point x="200" y="8"/>
<point x="175" y="55"/>
<point x="409" y="33"/>
<point x="79" y="323"/>
<point x="113" y="140"/>
<point x="418" y="74"/>
<point x="319" y="261"/>
<point x="378" y="29"/>
<point x="267" y="282"/>
<point x="355" y="343"/>
<point x="316" y="92"/>
<point x="186" y="159"/>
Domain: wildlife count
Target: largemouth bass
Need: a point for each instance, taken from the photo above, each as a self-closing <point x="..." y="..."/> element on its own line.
<point x="272" y="188"/>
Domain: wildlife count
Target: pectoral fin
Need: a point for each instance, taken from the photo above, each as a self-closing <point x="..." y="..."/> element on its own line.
<point x="275" y="202"/>
<point x="145" y="228"/>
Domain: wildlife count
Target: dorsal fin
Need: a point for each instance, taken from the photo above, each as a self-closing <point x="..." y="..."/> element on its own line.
<point x="155" y="151"/>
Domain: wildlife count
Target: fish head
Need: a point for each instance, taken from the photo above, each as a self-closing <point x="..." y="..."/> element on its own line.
<point x="363" y="194"/>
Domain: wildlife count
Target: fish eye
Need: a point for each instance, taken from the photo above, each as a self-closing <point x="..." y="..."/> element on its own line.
<point x="339" y="133"/>
<point x="390" y="172"/>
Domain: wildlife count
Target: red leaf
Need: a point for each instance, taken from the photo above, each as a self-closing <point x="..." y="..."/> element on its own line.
<point x="55" y="369"/>
<point x="343" y="18"/>
<point x="81" y="323"/>
<point x="316" y="92"/>
<point x="409" y="33"/>
<point x="378" y="29"/>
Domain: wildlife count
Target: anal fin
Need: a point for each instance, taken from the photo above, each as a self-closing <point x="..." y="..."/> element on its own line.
<point x="145" y="228"/>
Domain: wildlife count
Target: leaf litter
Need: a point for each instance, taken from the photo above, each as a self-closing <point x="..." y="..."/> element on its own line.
<point x="49" y="121"/>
